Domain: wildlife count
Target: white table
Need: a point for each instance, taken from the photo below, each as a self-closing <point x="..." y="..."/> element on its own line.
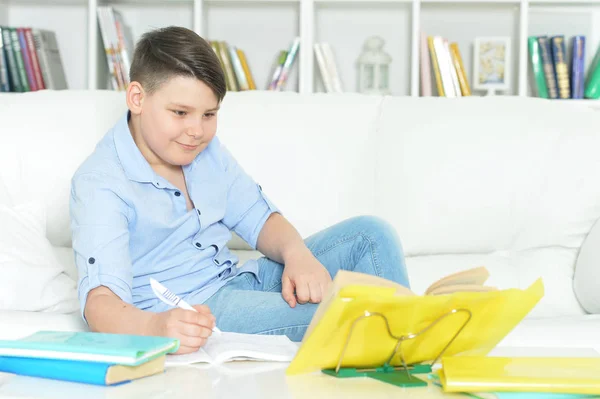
<point x="243" y="380"/>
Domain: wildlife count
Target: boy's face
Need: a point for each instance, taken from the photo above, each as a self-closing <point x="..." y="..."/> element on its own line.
<point x="176" y="122"/>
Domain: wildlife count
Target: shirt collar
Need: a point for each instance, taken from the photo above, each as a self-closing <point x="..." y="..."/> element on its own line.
<point x="135" y="165"/>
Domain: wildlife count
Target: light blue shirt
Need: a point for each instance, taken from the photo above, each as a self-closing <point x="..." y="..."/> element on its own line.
<point x="130" y="224"/>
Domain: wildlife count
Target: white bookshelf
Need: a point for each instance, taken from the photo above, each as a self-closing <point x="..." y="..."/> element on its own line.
<point x="262" y="27"/>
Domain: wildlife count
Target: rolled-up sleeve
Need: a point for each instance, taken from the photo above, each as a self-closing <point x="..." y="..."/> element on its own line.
<point x="248" y="207"/>
<point x="100" y="234"/>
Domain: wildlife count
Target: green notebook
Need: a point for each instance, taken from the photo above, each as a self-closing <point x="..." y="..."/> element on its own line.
<point x="90" y="346"/>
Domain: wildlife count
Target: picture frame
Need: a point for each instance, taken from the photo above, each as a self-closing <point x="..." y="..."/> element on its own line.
<point x="492" y="63"/>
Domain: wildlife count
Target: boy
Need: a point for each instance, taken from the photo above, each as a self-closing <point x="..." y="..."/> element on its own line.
<point x="158" y="198"/>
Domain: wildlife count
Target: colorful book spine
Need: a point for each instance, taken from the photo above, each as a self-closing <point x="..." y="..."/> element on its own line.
<point x="35" y="62"/>
<point x="26" y="60"/>
<point x="16" y="46"/>
<point x="228" y="66"/>
<point x="547" y="62"/>
<point x="537" y="67"/>
<point x="4" y="78"/>
<point x="425" y="67"/>
<point x="559" y="56"/>
<point x="242" y="56"/>
<point x="15" y="80"/>
<point x="578" y="67"/>
<point x="287" y="65"/>
<point x="460" y="70"/>
<point x="436" y="67"/>
<point x="238" y="69"/>
<point x="277" y="68"/>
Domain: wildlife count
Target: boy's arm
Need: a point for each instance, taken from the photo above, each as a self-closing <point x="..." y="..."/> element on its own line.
<point x="100" y="227"/>
<point x="303" y="273"/>
<point x="106" y="312"/>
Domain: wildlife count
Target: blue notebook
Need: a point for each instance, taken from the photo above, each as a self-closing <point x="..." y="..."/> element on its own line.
<point x="79" y="371"/>
<point x="90" y="346"/>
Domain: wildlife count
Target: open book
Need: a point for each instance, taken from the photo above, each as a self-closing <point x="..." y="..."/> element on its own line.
<point x="227" y="347"/>
<point x="466" y="280"/>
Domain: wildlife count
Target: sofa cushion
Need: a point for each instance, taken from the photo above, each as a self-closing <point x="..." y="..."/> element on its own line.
<point x="587" y="272"/>
<point x="32" y="155"/>
<point x="32" y="279"/>
<point x="317" y="168"/>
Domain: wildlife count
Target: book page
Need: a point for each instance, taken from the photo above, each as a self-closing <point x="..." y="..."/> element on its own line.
<point x="471" y="277"/>
<point x="199" y="356"/>
<point x="229" y="346"/>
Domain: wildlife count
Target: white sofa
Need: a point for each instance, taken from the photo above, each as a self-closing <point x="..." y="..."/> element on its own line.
<point x="506" y="182"/>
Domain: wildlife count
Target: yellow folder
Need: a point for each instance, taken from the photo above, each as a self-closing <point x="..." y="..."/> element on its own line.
<point x="526" y="374"/>
<point x="364" y="310"/>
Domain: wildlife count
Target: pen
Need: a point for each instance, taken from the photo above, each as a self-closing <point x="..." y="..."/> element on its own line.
<point x="172" y="299"/>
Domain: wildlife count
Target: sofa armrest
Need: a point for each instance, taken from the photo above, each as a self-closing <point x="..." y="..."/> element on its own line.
<point x="586" y="282"/>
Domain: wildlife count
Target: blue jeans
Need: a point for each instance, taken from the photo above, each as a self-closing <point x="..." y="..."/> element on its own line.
<point x="363" y="244"/>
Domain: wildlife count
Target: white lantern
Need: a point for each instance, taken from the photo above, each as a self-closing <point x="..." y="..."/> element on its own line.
<point x="374" y="68"/>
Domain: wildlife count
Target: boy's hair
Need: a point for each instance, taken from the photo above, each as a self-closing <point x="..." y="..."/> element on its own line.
<point x="164" y="53"/>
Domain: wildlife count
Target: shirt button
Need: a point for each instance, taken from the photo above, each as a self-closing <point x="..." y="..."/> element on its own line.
<point x="91" y="261"/>
<point x="199" y="213"/>
<point x="177" y="193"/>
<point x="199" y="245"/>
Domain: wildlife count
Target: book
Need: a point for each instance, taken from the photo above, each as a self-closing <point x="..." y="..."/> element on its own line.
<point x="466" y="280"/>
<point x="31" y="81"/>
<point x="230" y="77"/>
<point x="521" y="374"/>
<point x="238" y="69"/>
<point x="4" y="74"/>
<point x="324" y="72"/>
<point x="287" y="64"/>
<point x="80" y="371"/>
<point x="578" y="67"/>
<point x="331" y="66"/>
<point x="34" y="58"/>
<point x="537" y="67"/>
<point x="425" y="67"/>
<point x="465" y="89"/>
<point x="242" y="56"/>
<point x="365" y="318"/>
<point x="13" y="73"/>
<point x="276" y="69"/>
<point x="559" y="56"/>
<point x="548" y="65"/>
<point x="16" y="46"/>
<point x="51" y="65"/>
<point x="228" y="346"/>
<point x="436" y="67"/>
<point x="89" y="346"/>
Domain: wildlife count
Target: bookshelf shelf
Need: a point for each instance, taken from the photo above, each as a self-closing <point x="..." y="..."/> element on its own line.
<point x="273" y="24"/>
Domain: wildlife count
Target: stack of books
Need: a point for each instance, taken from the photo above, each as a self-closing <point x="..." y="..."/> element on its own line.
<point x="238" y="76"/>
<point x="30" y="60"/>
<point x="86" y="357"/>
<point x="556" y="76"/>
<point x="443" y="61"/>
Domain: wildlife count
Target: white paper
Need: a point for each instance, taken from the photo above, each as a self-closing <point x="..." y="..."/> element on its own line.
<point x="234" y="346"/>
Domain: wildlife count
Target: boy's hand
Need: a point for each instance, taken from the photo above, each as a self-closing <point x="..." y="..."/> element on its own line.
<point x="191" y="328"/>
<point x="305" y="275"/>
